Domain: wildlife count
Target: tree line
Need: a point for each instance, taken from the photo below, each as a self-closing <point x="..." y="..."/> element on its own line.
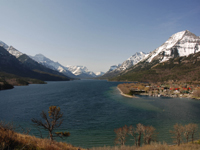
<point x="147" y="134"/>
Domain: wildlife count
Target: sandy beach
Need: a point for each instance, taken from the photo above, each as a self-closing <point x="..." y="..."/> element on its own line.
<point x="129" y="96"/>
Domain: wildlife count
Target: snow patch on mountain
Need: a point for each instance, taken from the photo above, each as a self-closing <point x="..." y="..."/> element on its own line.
<point x="14" y="51"/>
<point x="114" y="67"/>
<point x="11" y="49"/>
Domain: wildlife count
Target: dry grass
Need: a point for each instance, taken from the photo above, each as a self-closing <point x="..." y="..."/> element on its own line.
<point x="154" y="146"/>
<point x="16" y="141"/>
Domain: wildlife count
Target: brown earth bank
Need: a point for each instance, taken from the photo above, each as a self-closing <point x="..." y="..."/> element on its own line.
<point x="162" y="89"/>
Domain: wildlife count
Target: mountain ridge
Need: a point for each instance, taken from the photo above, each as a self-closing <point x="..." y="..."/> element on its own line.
<point x="71" y="71"/>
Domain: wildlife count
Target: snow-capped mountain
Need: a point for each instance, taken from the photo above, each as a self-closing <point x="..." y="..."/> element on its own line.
<point x="11" y="49"/>
<point x="180" y="44"/>
<point x="134" y="59"/>
<point x="113" y="67"/>
<point x="52" y="65"/>
<point x="71" y="71"/>
<point x="98" y="74"/>
<point x="110" y="72"/>
<point x="81" y="71"/>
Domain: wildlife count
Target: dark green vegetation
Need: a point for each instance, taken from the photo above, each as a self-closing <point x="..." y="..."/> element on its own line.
<point x="24" y="71"/>
<point x="177" y="69"/>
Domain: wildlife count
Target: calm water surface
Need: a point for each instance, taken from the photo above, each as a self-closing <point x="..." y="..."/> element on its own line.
<point x="93" y="109"/>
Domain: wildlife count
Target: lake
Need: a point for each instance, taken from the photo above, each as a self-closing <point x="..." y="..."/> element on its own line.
<point x="93" y="109"/>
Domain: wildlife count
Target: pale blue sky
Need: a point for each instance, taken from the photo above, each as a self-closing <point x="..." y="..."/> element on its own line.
<point x="94" y="33"/>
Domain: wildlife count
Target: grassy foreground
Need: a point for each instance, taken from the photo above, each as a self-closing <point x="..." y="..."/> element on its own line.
<point x="10" y="140"/>
<point x="16" y="141"/>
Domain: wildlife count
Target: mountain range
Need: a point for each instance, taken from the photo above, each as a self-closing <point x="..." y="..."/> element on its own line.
<point x="176" y="50"/>
<point x="153" y="66"/>
<point x="71" y="71"/>
<point x="43" y="64"/>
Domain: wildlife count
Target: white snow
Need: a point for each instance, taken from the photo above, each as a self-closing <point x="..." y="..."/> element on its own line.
<point x="99" y="73"/>
<point x="52" y="65"/>
<point x="184" y="42"/>
<point x="78" y="70"/>
<point x="133" y="60"/>
<point x="11" y="49"/>
<point x="167" y="45"/>
<point x="14" y="52"/>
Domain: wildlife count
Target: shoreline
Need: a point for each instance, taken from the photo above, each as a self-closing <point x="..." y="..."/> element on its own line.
<point x="125" y="95"/>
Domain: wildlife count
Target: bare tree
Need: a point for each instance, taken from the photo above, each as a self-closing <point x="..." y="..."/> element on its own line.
<point x="52" y="121"/>
<point x="148" y="133"/>
<point x="139" y="130"/>
<point x="193" y="129"/>
<point x="131" y="131"/>
<point x="121" y="134"/>
<point x="177" y="132"/>
<point x="187" y="132"/>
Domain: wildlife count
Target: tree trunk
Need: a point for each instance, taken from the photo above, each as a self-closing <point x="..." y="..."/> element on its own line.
<point x="51" y="135"/>
<point x="139" y="138"/>
<point x="135" y="141"/>
<point x="192" y="138"/>
<point x="178" y="142"/>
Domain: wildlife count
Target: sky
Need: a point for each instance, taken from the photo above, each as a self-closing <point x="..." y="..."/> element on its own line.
<point x="94" y="33"/>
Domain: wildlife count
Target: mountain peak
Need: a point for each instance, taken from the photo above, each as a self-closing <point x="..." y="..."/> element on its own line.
<point x="179" y="44"/>
<point x="39" y="55"/>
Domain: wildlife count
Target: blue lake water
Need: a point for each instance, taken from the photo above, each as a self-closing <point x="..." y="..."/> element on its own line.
<point x="93" y="109"/>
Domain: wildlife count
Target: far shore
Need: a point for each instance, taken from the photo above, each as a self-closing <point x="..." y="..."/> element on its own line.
<point x="126" y="95"/>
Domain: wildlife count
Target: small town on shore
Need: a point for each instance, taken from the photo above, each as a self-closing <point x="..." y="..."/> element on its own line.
<point x="165" y="89"/>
